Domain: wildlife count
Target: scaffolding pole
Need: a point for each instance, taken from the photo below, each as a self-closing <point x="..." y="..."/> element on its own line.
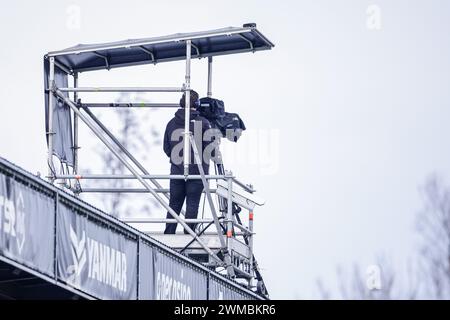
<point x="209" y="91"/>
<point x="229" y="219"/>
<point x="75" y="127"/>
<point x="128" y="190"/>
<point x="156" y="220"/>
<point x="123" y="89"/>
<point x="114" y="105"/>
<point x="50" y="133"/>
<point x="187" y="109"/>
<point x="250" y="236"/>
<point x="128" y="176"/>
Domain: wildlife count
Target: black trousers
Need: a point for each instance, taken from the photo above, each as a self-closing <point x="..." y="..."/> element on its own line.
<point x="191" y="190"/>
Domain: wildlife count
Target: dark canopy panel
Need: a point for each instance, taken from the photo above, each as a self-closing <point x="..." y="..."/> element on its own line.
<point x="62" y="119"/>
<point x="161" y="49"/>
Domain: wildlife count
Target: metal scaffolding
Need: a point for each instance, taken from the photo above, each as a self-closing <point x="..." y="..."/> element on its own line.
<point x="232" y="250"/>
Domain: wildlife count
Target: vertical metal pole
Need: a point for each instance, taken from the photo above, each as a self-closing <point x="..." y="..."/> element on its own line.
<point x="187" y="105"/>
<point x="250" y="237"/>
<point x="51" y="99"/>
<point x="138" y="278"/>
<point x="55" y="238"/>
<point x="209" y="92"/>
<point x="75" y="127"/>
<point x="208" y="280"/>
<point x="229" y="213"/>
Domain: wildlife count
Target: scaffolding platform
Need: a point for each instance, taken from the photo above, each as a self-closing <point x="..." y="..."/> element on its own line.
<point x="230" y="248"/>
<point x="241" y="253"/>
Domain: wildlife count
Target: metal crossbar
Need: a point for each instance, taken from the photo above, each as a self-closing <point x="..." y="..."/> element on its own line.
<point x="144" y="176"/>
<point x="128" y="190"/>
<point x="123" y="89"/>
<point x="130" y="105"/>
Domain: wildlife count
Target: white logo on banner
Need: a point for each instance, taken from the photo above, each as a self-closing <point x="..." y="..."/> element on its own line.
<point x="20" y="222"/>
<point x="105" y="264"/>
<point x="13" y="221"/>
<point x="167" y="288"/>
<point x="78" y="250"/>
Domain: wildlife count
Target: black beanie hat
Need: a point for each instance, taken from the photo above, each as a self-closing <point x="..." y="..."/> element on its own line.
<point x="194" y="98"/>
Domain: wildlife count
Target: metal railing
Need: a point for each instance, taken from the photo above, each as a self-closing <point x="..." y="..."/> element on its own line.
<point x="229" y="222"/>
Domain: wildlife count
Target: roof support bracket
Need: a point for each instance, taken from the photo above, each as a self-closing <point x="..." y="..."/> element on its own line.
<point x="152" y="56"/>
<point x="103" y="57"/>
<point x="249" y="42"/>
<point x="64" y="68"/>
<point x="196" y="49"/>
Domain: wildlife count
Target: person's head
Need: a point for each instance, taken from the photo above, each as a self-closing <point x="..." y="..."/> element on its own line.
<point x="194" y="99"/>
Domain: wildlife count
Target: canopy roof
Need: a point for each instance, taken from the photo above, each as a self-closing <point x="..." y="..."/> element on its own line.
<point x="87" y="57"/>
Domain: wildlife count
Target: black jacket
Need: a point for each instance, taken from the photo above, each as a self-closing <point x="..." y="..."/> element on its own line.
<point x="177" y="124"/>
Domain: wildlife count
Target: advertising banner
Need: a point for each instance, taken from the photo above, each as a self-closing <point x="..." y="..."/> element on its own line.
<point x="177" y="280"/>
<point x="146" y="265"/>
<point x="94" y="258"/>
<point x="221" y="290"/>
<point x="26" y="225"/>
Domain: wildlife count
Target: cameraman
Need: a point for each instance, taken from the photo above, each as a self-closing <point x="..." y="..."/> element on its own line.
<point x="191" y="190"/>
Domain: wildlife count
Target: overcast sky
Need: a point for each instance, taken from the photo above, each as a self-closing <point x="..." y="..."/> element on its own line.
<point x="347" y="115"/>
